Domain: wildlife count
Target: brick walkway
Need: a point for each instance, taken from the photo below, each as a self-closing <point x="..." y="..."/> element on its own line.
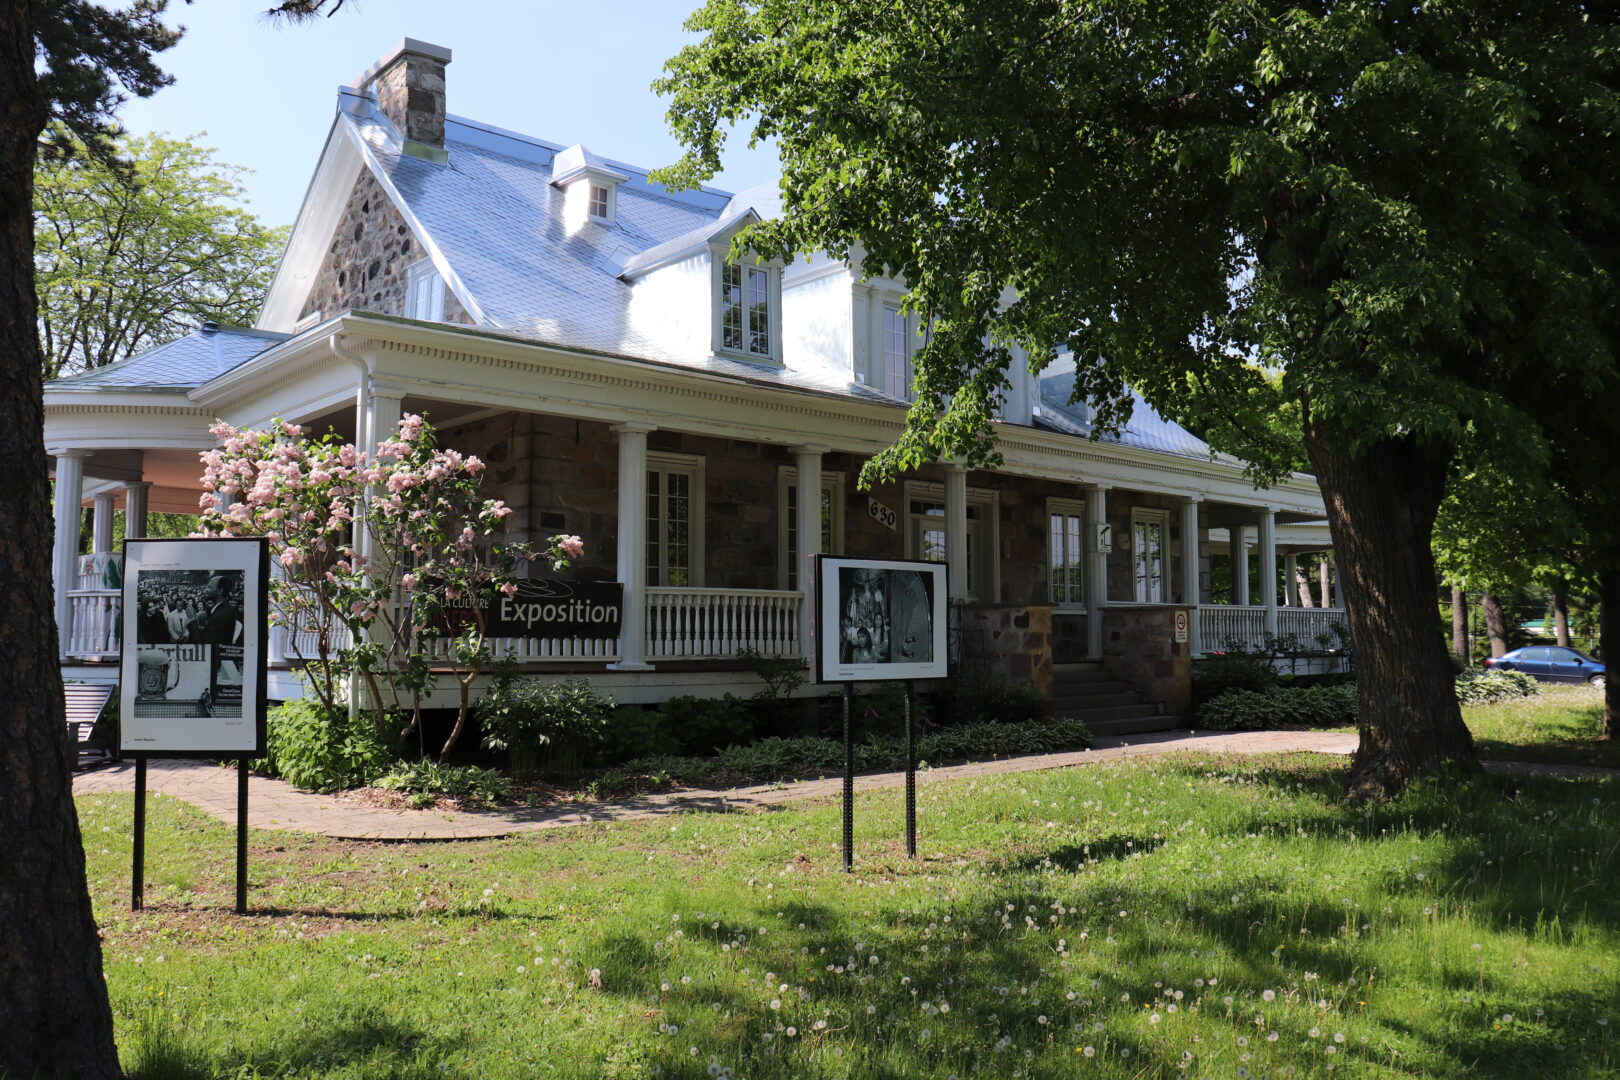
<point x="275" y="804"/>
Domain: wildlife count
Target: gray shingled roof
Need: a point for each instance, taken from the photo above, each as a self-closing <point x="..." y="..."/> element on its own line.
<point x="182" y="364"/>
<point x="1147" y="430"/>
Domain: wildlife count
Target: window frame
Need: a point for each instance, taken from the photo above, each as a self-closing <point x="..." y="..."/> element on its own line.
<point x="771" y="280"/>
<point x="419" y="274"/>
<point x="693" y="467"/>
<point x="1066" y="508"/>
<point x="608" y="197"/>
<point x="986" y="522"/>
<point x="832" y="483"/>
<point x="1142" y="515"/>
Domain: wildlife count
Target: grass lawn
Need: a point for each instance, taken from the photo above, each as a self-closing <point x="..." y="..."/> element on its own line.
<point x="1186" y="917"/>
<point x="1561" y="724"/>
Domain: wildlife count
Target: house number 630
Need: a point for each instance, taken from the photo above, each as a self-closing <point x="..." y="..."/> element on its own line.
<point x="883" y="514"/>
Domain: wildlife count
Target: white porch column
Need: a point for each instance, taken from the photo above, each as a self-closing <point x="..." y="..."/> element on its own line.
<point x="101" y="521"/>
<point x="1290" y="574"/>
<point x="137" y="493"/>
<point x="956" y="554"/>
<point x="1095" y="570"/>
<point x="1268" y="567"/>
<point x="807" y="461"/>
<point x="1237" y="549"/>
<point x="380" y="412"/>
<point x="1190" y="594"/>
<point x="632" y="542"/>
<point x="65" y="551"/>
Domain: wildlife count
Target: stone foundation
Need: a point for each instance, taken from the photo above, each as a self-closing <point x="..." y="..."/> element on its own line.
<point x="1013" y="641"/>
<point x="1139" y="648"/>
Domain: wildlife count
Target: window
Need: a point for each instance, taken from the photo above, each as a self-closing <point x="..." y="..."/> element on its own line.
<point x="674" y="541"/>
<point x="424" y="292"/>
<point x="745" y="309"/>
<point x="599" y="202"/>
<point x="896" y="354"/>
<point x="1150" y="530"/>
<point x="787" y="514"/>
<point x="1066" y="552"/>
<point x="925" y="534"/>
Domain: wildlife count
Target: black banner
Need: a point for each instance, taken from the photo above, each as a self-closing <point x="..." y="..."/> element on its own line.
<point x="546" y="609"/>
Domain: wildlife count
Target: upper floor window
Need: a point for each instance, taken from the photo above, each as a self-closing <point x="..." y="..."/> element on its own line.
<point x="599" y="207"/>
<point x="424" y="292"/>
<point x="746" y="310"/>
<point x="897" y="342"/>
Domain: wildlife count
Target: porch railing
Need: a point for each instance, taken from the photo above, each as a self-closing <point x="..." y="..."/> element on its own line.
<point x="698" y="623"/>
<point x="93" y="627"/>
<point x="1222" y="625"/>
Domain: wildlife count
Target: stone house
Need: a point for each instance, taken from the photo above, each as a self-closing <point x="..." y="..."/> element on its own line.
<point x="581" y="329"/>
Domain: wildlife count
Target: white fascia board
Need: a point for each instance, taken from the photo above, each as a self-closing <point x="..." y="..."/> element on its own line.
<point x="307" y="244"/>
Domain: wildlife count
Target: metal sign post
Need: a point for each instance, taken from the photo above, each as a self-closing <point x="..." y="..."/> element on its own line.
<point x="911" y="773"/>
<point x="137" y="876"/>
<point x="849" y="782"/>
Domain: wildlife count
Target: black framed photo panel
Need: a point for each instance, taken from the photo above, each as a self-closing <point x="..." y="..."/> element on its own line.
<point x="195" y="646"/>
<point x="880" y="619"/>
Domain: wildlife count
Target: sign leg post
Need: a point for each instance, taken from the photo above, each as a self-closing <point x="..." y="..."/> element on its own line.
<point x="911" y="772"/>
<point x="849" y="782"/>
<point x="137" y="879"/>
<point x="241" y="835"/>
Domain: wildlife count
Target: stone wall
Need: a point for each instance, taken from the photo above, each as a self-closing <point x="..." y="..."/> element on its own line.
<point x="1139" y="648"/>
<point x="1013" y="641"/>
<point x="367" y="264"/>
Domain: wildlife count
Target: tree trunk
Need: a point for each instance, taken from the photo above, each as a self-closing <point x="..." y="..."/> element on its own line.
<point x="1609" y="647"/>
<point x="1561" y="612"/>
<point x="1459" y="626"/>
<point x="1495" y="623"/>
<point x="52" y="993"/>
<point x="1381" y="505"/>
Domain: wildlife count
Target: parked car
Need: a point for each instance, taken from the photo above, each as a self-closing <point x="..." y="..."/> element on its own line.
<point x="1552" y="663"/>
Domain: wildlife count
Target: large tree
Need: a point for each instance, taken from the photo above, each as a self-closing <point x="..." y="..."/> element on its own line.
<point x="1369" y="200"/>
<point x="133" y="252"/>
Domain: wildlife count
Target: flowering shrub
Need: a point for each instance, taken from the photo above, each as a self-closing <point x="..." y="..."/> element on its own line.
<point x="373" y="550"/>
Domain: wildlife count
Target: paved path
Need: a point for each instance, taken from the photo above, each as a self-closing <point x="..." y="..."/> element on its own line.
<point x="275" y="804"/>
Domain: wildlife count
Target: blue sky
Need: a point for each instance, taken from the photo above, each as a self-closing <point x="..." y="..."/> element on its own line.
<point x="564" y="71"/>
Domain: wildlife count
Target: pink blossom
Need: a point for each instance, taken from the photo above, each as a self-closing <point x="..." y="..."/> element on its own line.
<point x="292" y="431"/>
<point x="473" y="465"/>
<point x="510" y="588"/>
<point x="408" y="581"/>
<point x="290" y="556"/>
<point x="410" y="426"/>
<point x="572" y="546"/>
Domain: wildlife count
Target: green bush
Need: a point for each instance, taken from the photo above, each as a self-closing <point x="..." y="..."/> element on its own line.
<point x="423" y="780"/>
<point x="559" y="726"/>
<point x="1306" y="706"/>
<point x="320" y="751"/>
<point x="636" y="732"/>
<point x="668" y="769"/>
<point x="1475" y="687"/>
<point x="993" y="699"/>
<point x="703" y="725"/>
<point x="1233" y="671"/>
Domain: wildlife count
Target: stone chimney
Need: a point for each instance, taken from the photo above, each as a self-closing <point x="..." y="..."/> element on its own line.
<point x="409" y="83"/>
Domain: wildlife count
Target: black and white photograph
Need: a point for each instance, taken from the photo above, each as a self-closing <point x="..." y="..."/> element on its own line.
<point x="880" y="619"/>
<point x="194" y="645"/>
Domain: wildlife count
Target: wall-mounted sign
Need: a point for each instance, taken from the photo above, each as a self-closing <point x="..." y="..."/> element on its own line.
<point x="1102" y="538"/>
<point x="882" y="514"/>
<point x="547" y="609"/>
<point x="194" y="637"/>
<point x="879" y="619"/>
<point x="1181" y="626"/>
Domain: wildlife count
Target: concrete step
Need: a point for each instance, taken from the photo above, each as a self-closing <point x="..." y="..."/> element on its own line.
<point x="1081" y="672"/>
<point x="1136" y="726"/>
<point x="1062" y="688"/>
<point x="1062" y="702"/>
<point x="1108" y="712"/>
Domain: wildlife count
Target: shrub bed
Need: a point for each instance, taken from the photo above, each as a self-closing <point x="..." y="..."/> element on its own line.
<point x="1282" y="707"/>
<point x="1476" y="687"/>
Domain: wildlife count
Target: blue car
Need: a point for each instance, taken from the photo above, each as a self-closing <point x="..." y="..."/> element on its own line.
<point x="1552" y="663"/>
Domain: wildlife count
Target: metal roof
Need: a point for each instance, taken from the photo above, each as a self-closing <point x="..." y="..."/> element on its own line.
<point x="182" y="364"/>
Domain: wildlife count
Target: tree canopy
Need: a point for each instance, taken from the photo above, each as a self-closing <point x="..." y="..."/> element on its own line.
<point x="1358" y="210"/>
<point x="132" y="254"/>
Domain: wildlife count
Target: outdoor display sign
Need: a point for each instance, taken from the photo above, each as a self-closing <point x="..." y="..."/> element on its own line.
<point x="193" y="666"/>
<point x="543" y="609"/>
<point x="879" y="620"/>
<point x="194" y="647"/>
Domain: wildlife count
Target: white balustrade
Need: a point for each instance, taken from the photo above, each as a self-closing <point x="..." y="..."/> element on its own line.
<point x="93" y="625"/>
<point x="1225" y="625"/>
<point x="696" y="623"/>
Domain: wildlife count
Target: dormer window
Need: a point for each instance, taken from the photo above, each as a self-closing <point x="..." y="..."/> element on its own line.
<point x="599" y="203"/>
<point x="746" y="310"/>
<point x="590" y="187"/>
<point x="424" y="292"/>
